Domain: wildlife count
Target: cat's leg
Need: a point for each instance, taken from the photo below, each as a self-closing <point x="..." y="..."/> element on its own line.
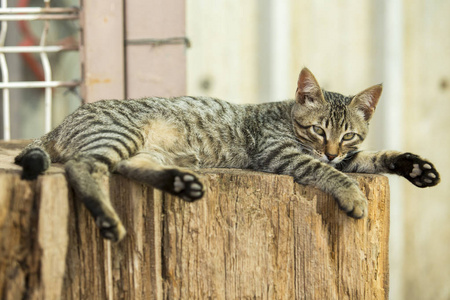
<point x="308" y="170"/>
<point x="85" y="175"/>
<point x="417" y="170"/>
<point x="145" y="167"/>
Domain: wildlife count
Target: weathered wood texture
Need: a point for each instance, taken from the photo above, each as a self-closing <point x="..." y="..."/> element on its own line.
<point x="262" y="236"/>
<point x="254" y="235"/>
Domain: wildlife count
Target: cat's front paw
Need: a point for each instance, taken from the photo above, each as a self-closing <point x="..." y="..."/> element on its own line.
<point x="418" y="171"/>
<point x="187" y="186"/>
<point x="353" y="202"/>
<point x="110" y="228"/>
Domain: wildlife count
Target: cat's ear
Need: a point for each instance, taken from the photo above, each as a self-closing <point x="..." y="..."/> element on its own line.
<point x="366" y="101"/>
<point x="308" y="90"/>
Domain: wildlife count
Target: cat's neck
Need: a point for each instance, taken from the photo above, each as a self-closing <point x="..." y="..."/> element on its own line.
<point x="270" y="118"/>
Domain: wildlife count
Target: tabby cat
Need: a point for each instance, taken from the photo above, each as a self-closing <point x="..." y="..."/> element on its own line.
<point x="314" y="138"/>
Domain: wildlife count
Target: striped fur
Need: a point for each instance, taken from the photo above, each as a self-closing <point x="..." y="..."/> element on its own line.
<point x="314" y="138"/>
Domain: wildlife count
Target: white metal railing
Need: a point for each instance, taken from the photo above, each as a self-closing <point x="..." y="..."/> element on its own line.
<point x="36" y="49"/>
<point x="47" y="73"/>
<point x="30" y="14"/>
<point x="37" y="10"/>
<point x="5" y="77"/>
<point x="37" y="84"/>
<point x="38" y="13"/>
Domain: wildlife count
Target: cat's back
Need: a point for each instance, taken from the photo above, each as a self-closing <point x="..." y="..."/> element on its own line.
<point x="111" y="128"/>
<point x="211" y="131"/>
<point x="120" y="128"/>
<point x="105" y="115"/>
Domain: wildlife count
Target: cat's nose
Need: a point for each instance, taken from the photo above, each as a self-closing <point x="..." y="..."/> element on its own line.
<point x="330" y="156"/>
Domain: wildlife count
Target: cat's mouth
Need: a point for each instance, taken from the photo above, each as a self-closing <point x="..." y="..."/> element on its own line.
<point x="323" y="158"/>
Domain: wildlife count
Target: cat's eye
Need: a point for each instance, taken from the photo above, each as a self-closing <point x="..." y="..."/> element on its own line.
<point x="318" y="130"/>
<point x="348" y="136"/>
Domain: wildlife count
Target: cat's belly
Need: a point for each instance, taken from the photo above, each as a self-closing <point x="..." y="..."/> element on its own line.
<point x="206" y="159"/>
<point x="175" y="145"/>
<point x="183" y="154"/>
<point x="232" y="159"/>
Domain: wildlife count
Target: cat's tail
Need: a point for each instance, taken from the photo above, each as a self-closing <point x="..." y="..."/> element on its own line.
<point x="34" y="161"/>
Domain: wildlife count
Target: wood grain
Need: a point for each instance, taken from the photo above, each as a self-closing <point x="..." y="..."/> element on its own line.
<point x="33" y="239"/>
<point x="254" y="235"/>
<point x="262" y="236"/>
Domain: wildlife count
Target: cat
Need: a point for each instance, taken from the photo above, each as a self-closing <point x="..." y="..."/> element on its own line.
<point x="158" y="141"/>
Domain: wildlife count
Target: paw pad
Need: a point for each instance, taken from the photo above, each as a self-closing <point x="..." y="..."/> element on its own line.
<point x="417" y="170"/>
<point x="188" y="178"/>
<point x="178" y="185"/>
<point x="110" y="229"/>
<point x="188" y="187"/>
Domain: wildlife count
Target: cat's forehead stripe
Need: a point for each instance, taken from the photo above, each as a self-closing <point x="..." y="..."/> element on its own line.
<point x="335" y="99"/>
<point x="337" y="116"/>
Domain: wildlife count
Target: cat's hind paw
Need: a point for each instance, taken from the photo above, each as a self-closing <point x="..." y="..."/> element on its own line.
<point x="418" y="171"/>
<point x="187" y="187"/>
<point x="111" y="229"/>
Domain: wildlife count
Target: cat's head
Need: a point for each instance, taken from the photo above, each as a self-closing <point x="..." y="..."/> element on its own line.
<point x="330" y="125"/>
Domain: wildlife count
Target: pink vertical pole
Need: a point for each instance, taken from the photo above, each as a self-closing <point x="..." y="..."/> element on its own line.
<point x="102" y="50"/>
<point x="156" y="45"/>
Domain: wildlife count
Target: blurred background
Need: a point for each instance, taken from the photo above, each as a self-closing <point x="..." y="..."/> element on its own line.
<point x="252" y="51"/>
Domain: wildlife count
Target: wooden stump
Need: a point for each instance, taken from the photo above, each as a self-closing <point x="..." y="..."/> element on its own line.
<point x="253" y="235"/>
<point x="262" y="236"/>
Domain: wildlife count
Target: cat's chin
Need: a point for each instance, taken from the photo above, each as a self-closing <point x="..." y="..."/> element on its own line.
<point x="332" y="163"/>
<point x="324" y="159"/>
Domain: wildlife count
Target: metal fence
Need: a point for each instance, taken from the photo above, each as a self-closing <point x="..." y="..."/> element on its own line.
<point x="46" y="14"/>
